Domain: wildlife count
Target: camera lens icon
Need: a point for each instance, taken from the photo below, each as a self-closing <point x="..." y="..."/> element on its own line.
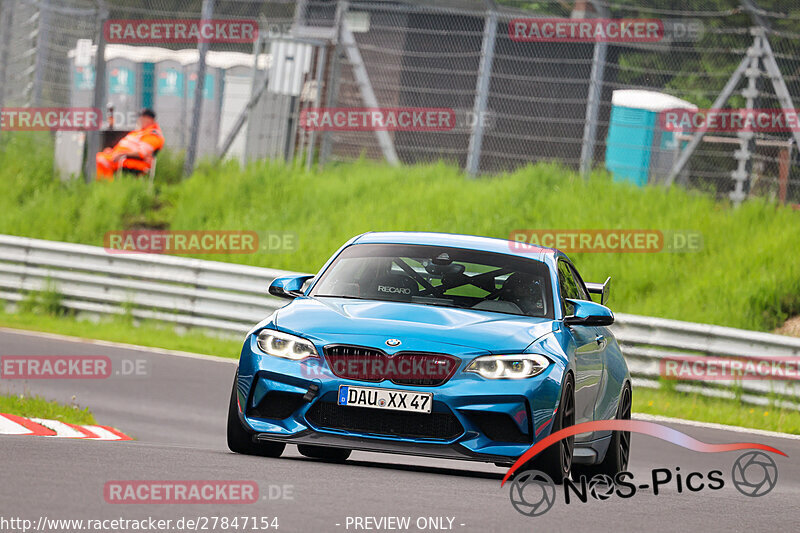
<point x="754" y="474"/>
<point x="601" y="487"/>
<point x="532" y="493"/>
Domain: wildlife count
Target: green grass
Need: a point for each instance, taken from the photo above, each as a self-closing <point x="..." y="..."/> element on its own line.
<point x="152" y="334"/>
<point x="717" y="410"/>
<point x="745" y="276"/>
<point x="37" y="407"/>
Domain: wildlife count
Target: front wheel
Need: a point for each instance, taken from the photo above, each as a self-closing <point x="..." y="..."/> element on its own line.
<point x="556" y="460"/>
<point x="240" y="440"/>
<point x="619" y="449"/>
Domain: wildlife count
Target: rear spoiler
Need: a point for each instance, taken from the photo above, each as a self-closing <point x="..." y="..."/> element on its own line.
<point x="601" y="289"/>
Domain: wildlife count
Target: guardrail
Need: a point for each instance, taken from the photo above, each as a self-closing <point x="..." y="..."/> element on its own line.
<point x="187" y="292"/>
<point x="646" y="341"/>
<point x="232" y="298"/>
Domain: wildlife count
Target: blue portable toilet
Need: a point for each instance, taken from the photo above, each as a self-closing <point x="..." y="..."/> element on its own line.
<point x="131" y="80"/>
<point x="638" y="149"/>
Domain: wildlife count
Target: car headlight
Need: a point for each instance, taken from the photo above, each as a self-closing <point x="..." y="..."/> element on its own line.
<point x="284" y="345"/>
<point x="516" y="366"/>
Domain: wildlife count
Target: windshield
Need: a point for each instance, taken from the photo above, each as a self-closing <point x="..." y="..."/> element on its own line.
<point x="437" y="275"/>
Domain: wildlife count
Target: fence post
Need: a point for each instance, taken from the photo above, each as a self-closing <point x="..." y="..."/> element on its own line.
<point x="197" y="105"/>
<point x="594" y="97"/>
<point x="332" y="90"/>
<point x="42" y="45"/>
<point x="593" y="107"/>
<point x="99" y="94"/>
<point x="6" y="11"/>
<point x="482" y="92"/>
<point x="255" y="96"/>
<point x="321" y="53"/>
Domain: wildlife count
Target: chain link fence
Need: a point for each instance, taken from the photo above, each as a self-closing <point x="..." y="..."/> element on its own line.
<point x="515" y="99"/>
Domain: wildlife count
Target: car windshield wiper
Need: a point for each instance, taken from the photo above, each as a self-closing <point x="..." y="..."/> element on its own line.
<point x="438" y="304"/>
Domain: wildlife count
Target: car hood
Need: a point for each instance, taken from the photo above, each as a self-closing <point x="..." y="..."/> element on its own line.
<point x="417" y="326"/>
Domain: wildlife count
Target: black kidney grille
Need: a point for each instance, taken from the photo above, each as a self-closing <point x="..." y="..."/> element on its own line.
<point x="404" y="368"/>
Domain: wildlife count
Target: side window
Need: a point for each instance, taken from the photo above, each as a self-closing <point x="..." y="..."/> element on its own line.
<point x="583" y="294"/>
<point x="569" y="289"/>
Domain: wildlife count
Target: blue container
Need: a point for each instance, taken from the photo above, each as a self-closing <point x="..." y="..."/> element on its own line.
<point x="637" y="148"/>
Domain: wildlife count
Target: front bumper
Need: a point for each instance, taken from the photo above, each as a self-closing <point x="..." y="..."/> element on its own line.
<point x="473" y="418"/>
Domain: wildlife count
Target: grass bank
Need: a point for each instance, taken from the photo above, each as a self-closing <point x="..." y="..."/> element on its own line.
<point x="691" y="406"/>
<point x="746" y="274"/>
<point x="145" y="333"/>
<point x="38" y="407"/>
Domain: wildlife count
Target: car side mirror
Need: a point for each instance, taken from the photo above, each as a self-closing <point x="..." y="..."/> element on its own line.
<point x="288" y="287"/>
<point x="588" y="313"/>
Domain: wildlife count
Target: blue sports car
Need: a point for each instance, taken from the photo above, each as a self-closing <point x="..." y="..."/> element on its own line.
<point x="437" y="345"/>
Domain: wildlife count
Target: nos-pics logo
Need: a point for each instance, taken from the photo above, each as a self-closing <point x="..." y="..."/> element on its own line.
<point x="533" y="492"/>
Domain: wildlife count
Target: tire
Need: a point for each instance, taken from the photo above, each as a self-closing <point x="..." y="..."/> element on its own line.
<point x="337" y="455"/>
<point x="619" y="449"/>
<point x="240" y="440"/>
<point x="556" y="460"/>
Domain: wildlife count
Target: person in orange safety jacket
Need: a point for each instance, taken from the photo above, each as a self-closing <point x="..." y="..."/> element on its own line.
<point x="137" y="148"/>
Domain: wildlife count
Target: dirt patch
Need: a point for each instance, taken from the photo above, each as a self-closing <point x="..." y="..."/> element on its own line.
<point x="790" y="327"/>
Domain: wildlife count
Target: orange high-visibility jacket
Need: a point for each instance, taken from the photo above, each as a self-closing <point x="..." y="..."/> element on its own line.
<point x="143" y="143"/>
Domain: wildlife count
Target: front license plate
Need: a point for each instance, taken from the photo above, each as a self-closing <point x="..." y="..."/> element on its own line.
<point x="395" y="400"/>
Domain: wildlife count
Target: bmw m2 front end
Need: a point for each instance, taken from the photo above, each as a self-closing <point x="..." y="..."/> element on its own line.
<point x="424" y="344"/>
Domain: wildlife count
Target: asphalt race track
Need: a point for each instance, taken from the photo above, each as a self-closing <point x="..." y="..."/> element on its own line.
<point x="177" y="413"/>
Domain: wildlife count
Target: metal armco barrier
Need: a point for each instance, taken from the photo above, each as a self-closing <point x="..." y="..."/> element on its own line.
<point x="187" y="292"/>
<point x="232" y="298"/>
<point x="645" y="341"/>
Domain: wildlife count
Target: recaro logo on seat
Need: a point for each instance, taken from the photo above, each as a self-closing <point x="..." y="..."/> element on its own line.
<point x="394" y="290"/>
